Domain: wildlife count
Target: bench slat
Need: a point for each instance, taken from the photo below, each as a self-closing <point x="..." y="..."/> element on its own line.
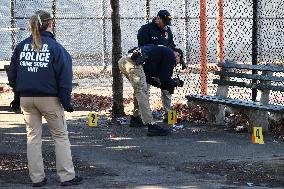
<point x="235" y="102"/>
<point x="259" y="86"/>
<point x="250" y="76"/>
<point x="231" y="64"/>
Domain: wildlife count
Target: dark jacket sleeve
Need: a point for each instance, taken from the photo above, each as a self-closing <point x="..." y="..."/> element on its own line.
<point x="12" y="73"/>
<point x="64" y="75"/>
<point x="171" y="39"/>
<point x="143" y="36"/>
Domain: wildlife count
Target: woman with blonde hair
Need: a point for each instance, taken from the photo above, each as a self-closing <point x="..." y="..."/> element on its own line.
<point x="41" y="74"/>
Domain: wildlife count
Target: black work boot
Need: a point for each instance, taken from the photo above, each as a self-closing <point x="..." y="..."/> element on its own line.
<point x="75" y="181"/>
<point x="156" y="130"/>
<point x="136" y="122"/>
<point x="40" y="184"/>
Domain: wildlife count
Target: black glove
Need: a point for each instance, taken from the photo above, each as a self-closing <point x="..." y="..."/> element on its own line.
<point x="138" y="55"/>
<point x="68" y="108"/>
<point x="178" y="82"/>
<point x="171" y="91"/>
<point x="182" y="63"/>
<point x="15" y="104"/>
<point x="181" y="82"/>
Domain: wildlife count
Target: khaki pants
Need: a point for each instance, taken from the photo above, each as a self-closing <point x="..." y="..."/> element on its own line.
<point x="136" y="76"/>
<point x="166" y="101"/>
<point x="50" y="108"/>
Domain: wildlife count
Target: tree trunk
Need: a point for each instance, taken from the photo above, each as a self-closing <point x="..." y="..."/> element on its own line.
<point x="117" y="85"/>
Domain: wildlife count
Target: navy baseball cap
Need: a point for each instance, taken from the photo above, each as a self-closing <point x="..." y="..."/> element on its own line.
<point x="165" y="16"/>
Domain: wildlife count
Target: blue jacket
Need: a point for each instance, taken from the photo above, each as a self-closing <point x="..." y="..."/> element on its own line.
<point x="44" y="73"/>
<point x="160" y="64"/>
<point x="151" y="34"/>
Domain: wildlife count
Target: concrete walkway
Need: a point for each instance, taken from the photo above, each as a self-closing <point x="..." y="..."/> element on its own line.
<point x="116" y="156"/>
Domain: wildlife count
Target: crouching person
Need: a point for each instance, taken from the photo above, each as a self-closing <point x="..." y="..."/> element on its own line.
<point x="40" y="74"/>
<point x="149" y="65"/>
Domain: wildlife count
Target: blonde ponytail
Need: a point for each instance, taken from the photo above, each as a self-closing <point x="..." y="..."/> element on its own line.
<point x="39" y="23"/>
<point x="35" y="29"/>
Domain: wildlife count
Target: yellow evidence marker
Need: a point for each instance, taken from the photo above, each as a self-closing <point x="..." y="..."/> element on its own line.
<point x="257" y="136"/>
<point x="93" y="120"/>
<point x="172" y="117"/>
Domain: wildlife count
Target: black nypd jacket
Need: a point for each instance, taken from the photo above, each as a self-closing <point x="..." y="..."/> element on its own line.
<point x="44" y="73"/>
<point x="160" y="64"/>
<point x="151" y="34"/>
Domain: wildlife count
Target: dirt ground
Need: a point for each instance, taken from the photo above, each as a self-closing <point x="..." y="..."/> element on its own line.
<point x="116" y="156"/>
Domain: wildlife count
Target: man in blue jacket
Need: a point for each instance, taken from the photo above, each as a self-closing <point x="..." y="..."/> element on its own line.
<point x="152" y="65"/>
<point x="157" y="32"/>
<point x="40" y="74"/>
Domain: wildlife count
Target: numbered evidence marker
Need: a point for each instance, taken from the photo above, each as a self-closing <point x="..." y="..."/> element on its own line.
<point x="172" y="117"/>
<point x="257" y="136"/>
<point x="93" y="119"/>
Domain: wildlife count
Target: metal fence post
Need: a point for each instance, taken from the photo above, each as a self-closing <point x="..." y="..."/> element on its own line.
<point x="54" y="16"/>
<point x="254" y="44"/>
<point x="147" y="11"/>
<point x="203" y="47"/>
<point x="220" y="31"/>
<point x="104" y="53"/>
<point x="187" y="54"/>
<point x="13" y="24"/>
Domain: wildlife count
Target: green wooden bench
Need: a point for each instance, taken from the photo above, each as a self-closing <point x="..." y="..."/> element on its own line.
<point x="256" y="111"/>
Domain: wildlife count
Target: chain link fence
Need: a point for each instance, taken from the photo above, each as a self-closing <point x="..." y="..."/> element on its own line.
<point x="84" y="29"/>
